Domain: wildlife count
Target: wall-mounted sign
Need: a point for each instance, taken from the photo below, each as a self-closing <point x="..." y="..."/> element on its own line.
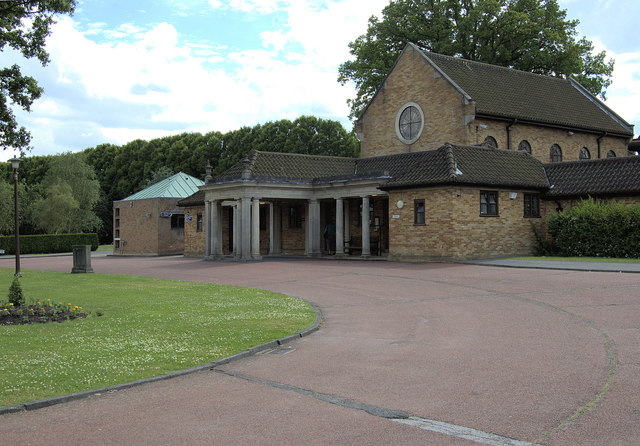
<point x="165" y="214"/>
<point x="188" y="218"/>
<point x="395" y="216"/>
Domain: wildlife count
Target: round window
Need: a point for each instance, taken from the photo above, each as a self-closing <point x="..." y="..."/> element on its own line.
<point x="409" y="123"/>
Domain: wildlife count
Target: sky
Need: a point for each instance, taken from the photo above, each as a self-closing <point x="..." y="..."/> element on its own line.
<point x="122" y="70"/>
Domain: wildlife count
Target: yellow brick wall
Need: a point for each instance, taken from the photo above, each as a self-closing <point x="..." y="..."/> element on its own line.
<point x="194" y="240"/>
<point x="143" y="232"/>
<point x="413" y="80"/>
<point x="454" y="228"/>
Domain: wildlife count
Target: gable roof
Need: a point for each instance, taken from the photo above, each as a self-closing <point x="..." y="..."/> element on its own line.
<point x="473" y="165"/>
<point x="449" y="164"/>
<point x="600" y="177"/>
<point x="506" y="93"/>
<point x="179" y="185"/>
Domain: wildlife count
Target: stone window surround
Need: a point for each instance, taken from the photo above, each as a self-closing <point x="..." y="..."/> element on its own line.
<point x="399" y="113"/>
<point x="555" y="154"/>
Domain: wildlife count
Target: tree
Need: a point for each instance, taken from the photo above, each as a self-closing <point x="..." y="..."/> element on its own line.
<point x="528" y="35"/>
<point x="72" y="191"/>
<point x="24" y="26"/>
<point x="158" y="175"/>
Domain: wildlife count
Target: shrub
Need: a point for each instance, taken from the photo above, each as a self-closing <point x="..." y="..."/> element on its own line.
<point x="48" y="243"/>
<point x="598" y="229"/>
<point x="15" y="293"/>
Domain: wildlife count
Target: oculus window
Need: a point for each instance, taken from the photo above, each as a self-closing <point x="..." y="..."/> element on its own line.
<point x="409" y="123"/>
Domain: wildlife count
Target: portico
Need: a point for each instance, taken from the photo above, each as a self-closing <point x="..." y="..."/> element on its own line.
<point x="293" y="214"/>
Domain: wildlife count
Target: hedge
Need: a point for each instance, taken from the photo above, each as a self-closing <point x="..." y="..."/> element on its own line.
<point x="597" y="229"/>
<point x="47" y="243"/>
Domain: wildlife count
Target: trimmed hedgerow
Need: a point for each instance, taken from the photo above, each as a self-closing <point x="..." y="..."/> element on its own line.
<point x="48" y="243"/>
<point x="597" y="228"/>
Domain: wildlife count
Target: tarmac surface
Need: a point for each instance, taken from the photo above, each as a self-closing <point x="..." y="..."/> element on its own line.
<point x="408" y="353"/>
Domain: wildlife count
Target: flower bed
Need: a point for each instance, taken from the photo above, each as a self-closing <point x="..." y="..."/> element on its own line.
<point x="40" y="312"/>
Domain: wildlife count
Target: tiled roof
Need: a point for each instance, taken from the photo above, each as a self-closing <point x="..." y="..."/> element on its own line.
<point x="273" y="166"/>
<point x="473" y="165"/>
<point x="179" y="185"/>
<point x="609" y="176"/>
<point x="196" y="199"/>
<point x="511" y="94"/>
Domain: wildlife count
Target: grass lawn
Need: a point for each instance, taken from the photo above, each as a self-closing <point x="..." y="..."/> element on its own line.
<point x="581" y="259"/>
<point x="104" y="248"/>
<point x="147" y="327"/>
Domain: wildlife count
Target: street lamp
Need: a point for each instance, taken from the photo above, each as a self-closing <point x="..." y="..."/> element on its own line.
<point x="15" y="162"/>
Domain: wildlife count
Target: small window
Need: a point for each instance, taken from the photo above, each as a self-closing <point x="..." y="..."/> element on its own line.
<point x="531" y="205"/>
<point x="117" y="222"/>
<point x="295" y="217"/>
<point x="117" y="244"/>
<point x="177" y="221"/>
<point x="117" y="212"/>
<point x="611" y="154"/>
<point x="490" y="141"/>
<point x="584" y="154"/>
<point x="524" y="146"/>
<point x="488" y="203"/>
<point x="555" y="154"/>
<point x="199" y="223"/>
<point x="117" y="233"/>
<point x="418" y="212"/>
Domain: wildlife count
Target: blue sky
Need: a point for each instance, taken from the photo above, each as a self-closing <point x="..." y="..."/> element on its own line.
<point x="122" y="70"/>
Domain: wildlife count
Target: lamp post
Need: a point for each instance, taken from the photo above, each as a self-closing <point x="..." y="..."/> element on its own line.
<point x="15" y="162"/>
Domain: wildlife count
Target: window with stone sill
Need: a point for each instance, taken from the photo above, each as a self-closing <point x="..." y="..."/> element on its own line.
<point x="199" y="223"/>
<point x="488" y="203"/>
<point x="418" y="212"/>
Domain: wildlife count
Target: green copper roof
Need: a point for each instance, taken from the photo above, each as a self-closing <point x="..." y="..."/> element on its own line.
<point x="179" y="185"/>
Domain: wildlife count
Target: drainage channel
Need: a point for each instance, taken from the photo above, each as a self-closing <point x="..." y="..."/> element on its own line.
<point x="398" y="416"/>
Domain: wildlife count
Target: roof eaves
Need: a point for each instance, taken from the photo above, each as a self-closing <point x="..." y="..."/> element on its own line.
<point x="443" y="74"/>
<point x="613" y="115"/>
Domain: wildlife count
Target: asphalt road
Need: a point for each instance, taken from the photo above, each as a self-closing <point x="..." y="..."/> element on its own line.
<point x="407" y="354"/>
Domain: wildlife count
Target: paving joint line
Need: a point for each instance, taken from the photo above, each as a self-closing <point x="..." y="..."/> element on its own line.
<point x="398" y="416"/>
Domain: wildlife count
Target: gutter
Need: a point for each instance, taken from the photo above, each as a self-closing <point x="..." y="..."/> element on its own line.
<point x="599" y="140"/>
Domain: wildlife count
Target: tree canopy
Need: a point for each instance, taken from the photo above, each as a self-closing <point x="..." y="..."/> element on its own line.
<point x="528" y="35"/>
<point x="24" y="27"/>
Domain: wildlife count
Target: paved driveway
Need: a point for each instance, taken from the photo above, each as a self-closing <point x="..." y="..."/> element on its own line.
<point x="469" y="352"/>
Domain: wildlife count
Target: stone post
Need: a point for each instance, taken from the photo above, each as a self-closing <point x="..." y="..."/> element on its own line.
<point x="255" y="229"/>
<point x="366" y="240"/>
<point x="275" y="227"/>
<point x="339" y="227"/>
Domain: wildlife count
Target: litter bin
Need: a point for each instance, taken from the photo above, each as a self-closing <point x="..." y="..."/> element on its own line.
<point x="82" y="259"/>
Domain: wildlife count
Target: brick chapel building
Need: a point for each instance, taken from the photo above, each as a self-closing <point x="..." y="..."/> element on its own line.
<point x="458" y="160"/>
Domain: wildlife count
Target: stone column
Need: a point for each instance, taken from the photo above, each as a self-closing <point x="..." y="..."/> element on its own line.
<point x="207" y="229"/>
<point x="275" y="228"/>
<point x="314" y="228"/>
<point x="237" y="236"/>
<point x="307" y="230"/>
<point x="245" y="228"/>
<point x="339" y="227"/>
<point x="366" y="246"/>
<point x="347" y="220"/>
<point x="215" y="214"/>
<point x="255" y="229"/>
